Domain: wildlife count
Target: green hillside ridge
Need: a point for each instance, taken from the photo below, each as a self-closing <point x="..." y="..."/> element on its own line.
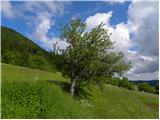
<point x="31" y="93"/>
<point x="17" y="49"/>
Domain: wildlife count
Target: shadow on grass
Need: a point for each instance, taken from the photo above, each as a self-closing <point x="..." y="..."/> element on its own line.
<point x="66" y="88"/>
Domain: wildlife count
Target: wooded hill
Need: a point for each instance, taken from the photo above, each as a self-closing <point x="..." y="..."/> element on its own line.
<point x="19" y="50"/>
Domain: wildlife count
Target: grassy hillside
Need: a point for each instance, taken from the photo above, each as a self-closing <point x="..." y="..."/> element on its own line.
<point x="28" y="93"/>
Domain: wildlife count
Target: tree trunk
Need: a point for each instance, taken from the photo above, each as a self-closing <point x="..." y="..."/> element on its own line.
<point x="73" y="78"/>
<point x="72" y="89"/>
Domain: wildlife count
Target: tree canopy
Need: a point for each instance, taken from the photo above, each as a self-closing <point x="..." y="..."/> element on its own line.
<point x="90" y="55"/>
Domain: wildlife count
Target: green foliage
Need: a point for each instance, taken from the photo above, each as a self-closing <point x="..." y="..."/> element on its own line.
<point x="39" y="62"/>
<point x="157" y="89"/>
<point x="146" y="88"/>
<point x="113" y="81"/>
<point x="126" y="84"/>
<point x="37" y="100"/>
<point x="11" y="57"/>
<point x="90" y="54"/>
<point x="19" y="50"/>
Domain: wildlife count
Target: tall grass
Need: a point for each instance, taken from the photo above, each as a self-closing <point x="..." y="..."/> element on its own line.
<point x="37" y="99"/>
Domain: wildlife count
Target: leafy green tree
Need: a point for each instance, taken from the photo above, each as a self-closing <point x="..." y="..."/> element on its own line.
<point x="113" y="81"/>
<point x="11" y="57"/>
<point x="38" y="62"/>
<point x="90" y="55"/>
<point x="146" y="88"/>
<point x="157" y="89"/>
<point x="126" y="84"/>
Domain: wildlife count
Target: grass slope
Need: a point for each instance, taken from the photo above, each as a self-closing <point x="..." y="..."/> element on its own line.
<point x="28" y="93"/>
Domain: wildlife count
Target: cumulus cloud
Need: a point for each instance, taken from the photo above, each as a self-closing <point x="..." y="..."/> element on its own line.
<point x="143" y="64"/>
<point x="7" y="9"/>
<point x="45" y="21"/>
<point x="144" y="76"/>
<point x="98" y="18"/>
<point x="144" y="27"/>
<point x="42" y="26"/>
<point x="120" y="33"/>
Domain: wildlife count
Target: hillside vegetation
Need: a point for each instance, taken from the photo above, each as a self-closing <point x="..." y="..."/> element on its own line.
<point x="16" y="49"/>
<point x="28" y="93"/>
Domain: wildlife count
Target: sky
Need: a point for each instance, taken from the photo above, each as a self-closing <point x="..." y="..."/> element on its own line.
<point x="134" y="27"/>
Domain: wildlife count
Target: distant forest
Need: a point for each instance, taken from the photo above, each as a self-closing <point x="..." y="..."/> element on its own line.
<point x="150" y="82"/>
<point x="19" y="50"/>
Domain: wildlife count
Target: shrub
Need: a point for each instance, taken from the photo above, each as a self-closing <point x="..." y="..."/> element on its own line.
<point x="131" y="86"/>
<point x="126" y="84"/>
<point x="113" y="81"/>
<point x="146" y="88"/>
<point x="38" y="62"/>
<point x="11" y="57"/>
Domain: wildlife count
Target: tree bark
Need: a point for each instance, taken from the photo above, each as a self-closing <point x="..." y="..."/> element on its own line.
<point x="72" y="89"/>
<point x="73" y="78"/>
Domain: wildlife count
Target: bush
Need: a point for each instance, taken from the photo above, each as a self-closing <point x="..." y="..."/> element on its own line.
<point x="38" y="62"/>
<point x="131" y="86"/>
<point x="126" y="84"/>
<point x="146" y="88"/>
<point x="11" y="57"/>
<point x="113" y="81"/>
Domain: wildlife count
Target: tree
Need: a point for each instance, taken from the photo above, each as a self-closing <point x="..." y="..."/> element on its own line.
<point x="90" y="55"/>
<point x="11" y="57"/>
<point x="157" y="88"/>
<point x="113" y="81"/>
<point x="146" y="88"/>
<point x="126" y="84"/>
<point x="38" y="62"/>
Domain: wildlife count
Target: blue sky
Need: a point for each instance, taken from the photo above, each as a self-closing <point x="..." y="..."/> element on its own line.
<point x="130" y="22"/>
<point x="76" y="9"/>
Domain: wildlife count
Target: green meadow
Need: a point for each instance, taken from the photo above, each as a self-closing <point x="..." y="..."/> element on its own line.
<point x="31" y="93"/>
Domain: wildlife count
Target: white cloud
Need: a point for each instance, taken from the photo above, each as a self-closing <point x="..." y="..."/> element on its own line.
<point x="98" y="18"/>
<point x="53" y="7"/>
<point x="143" y="23"/>
<point x="144" y="26"/>
<point x="120" y="35"/>
<point x="45" y="21"/>
<point x="59" y="43"/>
<point x="115" y="1"/>
<point x="42" y="27"/>
<point x="6" y="9"/>
<point x="144" y="76"/>
<point x="41" y="31"/>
